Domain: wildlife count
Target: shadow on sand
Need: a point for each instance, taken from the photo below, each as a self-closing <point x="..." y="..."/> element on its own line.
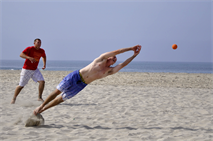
<point x="120" y="128"/>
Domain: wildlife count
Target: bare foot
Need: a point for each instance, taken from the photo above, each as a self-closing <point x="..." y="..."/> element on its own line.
<point x="13" y="101"/>
<point x="40" y="99"/>
<point x="38" y="110"/>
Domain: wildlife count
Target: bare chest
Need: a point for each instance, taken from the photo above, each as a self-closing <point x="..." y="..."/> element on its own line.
<point x="95" y="71"/>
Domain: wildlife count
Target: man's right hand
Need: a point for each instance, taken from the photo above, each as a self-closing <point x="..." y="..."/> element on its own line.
<point x="32" y="60"/>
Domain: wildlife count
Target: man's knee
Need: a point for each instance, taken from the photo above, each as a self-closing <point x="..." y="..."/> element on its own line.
<point x="41" y="82"/>
<point x="57" y="91"/>
<point x="20" y="87"/>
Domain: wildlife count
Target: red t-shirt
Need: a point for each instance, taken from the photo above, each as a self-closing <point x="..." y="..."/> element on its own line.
<point x="36" y="54"/>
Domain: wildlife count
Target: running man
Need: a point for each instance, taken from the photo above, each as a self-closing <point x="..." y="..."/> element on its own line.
<point x="32" y="55"/>
<point x="74" y="82"/>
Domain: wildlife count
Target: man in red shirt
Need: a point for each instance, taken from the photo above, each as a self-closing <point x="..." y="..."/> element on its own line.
<point x="32" y="55"/>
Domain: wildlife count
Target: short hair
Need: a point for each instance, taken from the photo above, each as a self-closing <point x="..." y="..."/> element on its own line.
<point x="37" y="39"/>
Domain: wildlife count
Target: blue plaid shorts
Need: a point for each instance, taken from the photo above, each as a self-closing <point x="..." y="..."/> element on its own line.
<point x="71" y="85"/>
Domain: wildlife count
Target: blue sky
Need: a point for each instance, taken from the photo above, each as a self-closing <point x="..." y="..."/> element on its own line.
<point x="82" y="30"/>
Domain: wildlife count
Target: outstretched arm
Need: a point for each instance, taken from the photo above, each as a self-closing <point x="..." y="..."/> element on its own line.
<point x="136" y="50"/>
<point x="114" y="53"/>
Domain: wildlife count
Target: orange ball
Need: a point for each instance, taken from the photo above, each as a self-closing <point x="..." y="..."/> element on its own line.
<point x="174" y="46"/>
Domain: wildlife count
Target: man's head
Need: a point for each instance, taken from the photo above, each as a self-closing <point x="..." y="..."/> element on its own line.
<point x="37" y="43"/>
<point x="111" y="60"/>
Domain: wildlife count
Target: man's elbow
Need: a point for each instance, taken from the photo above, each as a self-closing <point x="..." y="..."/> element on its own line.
<point x="21" y="55"/>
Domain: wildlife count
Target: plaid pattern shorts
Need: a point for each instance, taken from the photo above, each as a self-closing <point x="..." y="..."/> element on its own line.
<point x="71" y="85"/>
<point x="27" y="74"/>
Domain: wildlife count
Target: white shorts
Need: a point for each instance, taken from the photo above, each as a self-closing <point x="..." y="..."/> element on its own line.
<point x="27" y="74"/>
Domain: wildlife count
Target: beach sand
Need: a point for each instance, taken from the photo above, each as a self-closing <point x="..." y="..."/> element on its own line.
<point x="125" y="106"/>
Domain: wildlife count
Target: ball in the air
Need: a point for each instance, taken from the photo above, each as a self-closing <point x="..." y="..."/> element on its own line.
<point x="174" y="46"/>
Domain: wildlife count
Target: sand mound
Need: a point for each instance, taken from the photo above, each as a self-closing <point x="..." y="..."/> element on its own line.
<point x="34" y="120"/>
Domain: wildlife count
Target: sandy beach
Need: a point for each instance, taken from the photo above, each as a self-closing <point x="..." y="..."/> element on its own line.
<point x="125" y="107"/>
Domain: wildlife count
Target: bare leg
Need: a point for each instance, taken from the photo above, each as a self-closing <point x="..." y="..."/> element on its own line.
<point x="17" y="91"/>
<point x="53" y="103"/>
<point x="52" y="98"/>
<point x="40" y="90"/>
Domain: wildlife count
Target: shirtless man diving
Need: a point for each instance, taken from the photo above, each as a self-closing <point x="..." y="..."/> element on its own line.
<point x="74" y="82"/>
